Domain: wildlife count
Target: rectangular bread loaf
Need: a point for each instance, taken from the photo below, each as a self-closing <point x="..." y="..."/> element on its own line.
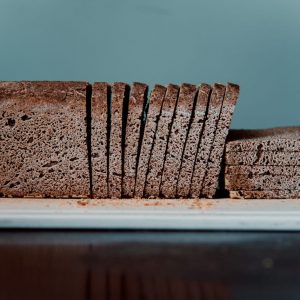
<point x="43" y="139"/>
<point x="157" y="157"/>
<point x="178" y="135"/>
<point x="213" y="167"/>
<point x="120" y="94"/>
<point x="135" y="118"/>
<point x="206" y="143"/>
<point x="194" y="136"/>
<point x="155" y="105"/>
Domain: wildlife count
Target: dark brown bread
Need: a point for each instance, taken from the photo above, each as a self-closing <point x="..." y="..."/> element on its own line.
<point x="155" y="105"/>
<point x="119" y="91"/>
<point x="263" y="170"/>
<point x="263" y="158"/>
<point x="99" y="139"/>
<point x="156" y="162"/>
<point x="261" y="182"/>
<point x="133" y="127"/>
<point x="194" y="135"/>
<point x="177" y="139"/>
<point x="274" y="194"/>
<point x="272" y="139"/>
<point x="213" y="168"/>
<point x="43" y="150"/>
<point x="206" y="142"/>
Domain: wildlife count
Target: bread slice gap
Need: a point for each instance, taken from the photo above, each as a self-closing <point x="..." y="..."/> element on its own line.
<point x="43" y="139"/>
<point x="210" y="126"/>
<point x="119" y="96"/>
<point x="100" y="113"/>
<point x="158" y="155"/>
<point x="193" y="138"/>
<point x="177" y="139"/>
<point x="213" y="167"/>
<point x="135" y="118"/>
<point x="153" y="114"/>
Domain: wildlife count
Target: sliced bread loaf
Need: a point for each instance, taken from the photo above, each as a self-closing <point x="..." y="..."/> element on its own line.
<point x="177" y="140"/>
<point x="43" y="139"/>
<point x="261" y="182"/>
<point x="194" y="135"/>
<point x="213" y="167"/>
<point x="271" y="139"/>
<point x="157" y="157"/>
<point x="155" y="106"/>
<point x="204" y="148"/>
<point x="274" y="194"/>
<point x="120" y="94"/>
<point x="263" y="158"/>
<point x="263" y="170"/>
<point x="100" y="99"/>
<point x="135" y="118"/>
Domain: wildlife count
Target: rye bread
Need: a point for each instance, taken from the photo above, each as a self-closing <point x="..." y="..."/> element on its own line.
<point x="120" y="92"/>
<point x="211" y="177"/>
<point x="135" y="117"/>
<point x="274" y="194"/>
<point x="263" y="170"/>
<point x="177" y="140"/>
<point x="205" y="145"/>
<point x="100" y="96"/>
<point x="155" y="106"/>
<point x="261" y="182"/>
<point x="194" y="135"/>
<point x="263" y="158"/>
<point x="157" y="157"/>
<point x="271" y="139"/>
<point x="43" y="139"/>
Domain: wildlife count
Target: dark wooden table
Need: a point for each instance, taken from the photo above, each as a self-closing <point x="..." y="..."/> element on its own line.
<point x="85" y="264"/>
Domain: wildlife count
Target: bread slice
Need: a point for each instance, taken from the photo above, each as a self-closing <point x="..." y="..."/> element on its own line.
<point x="261" y="182"/>
<point x="194" y="135"/>
<point x="43" y="139"/>
<point x="204" y="148"/>
<point x="157" y="157"/>
<point x="177" y="139"/>
<point x="262" y="170"/>
<point x="213" y="168"/>
<point x="274" y="194"/>
<point x="263" y="158"/>
<point x="100" y="99"/>
<point x="271" y="139"/>
<point x="120" y="93"/>
<point x="135" y="119"/>
<point x="155" y="106"/>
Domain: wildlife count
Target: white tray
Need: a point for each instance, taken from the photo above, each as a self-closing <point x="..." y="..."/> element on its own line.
<point x="221" y="214"/>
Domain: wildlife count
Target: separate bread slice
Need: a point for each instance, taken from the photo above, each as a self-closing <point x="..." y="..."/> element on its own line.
<point x="135" y="118"/>
<point x="120" y="93"/>
<point x="192" y="142"/>
<point x="177" y="140"/>
<point x="206" y="143"/>
<point x="43" y="139"/>
<point x="263" y="158"/>
<point x="271" y="139"/>
<point x="100" y="99"/>
<point x="155" y="106"/>
<point x="213" y="168"/>
<point x="157" y="157"/>
<point x="274" y="194"/>
<point x="261" y="182"/>
<point x="263" y="170"/>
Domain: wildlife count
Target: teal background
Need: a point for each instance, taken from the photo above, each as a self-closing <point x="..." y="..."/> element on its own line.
<point x="254" y="43"/>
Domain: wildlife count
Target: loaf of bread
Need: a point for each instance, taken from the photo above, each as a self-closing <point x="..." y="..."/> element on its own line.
<point x="43" y="139"/>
